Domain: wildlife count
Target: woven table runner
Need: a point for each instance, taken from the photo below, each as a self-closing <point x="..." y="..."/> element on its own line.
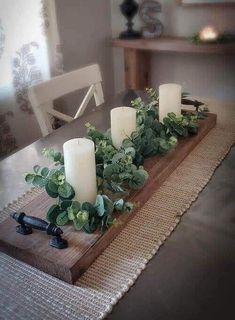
<point x="27" y="293"/>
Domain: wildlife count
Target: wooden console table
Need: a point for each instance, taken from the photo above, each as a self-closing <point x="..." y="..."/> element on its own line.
<point x="137" y="55"/>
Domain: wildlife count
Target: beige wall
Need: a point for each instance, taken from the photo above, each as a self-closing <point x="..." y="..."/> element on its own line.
<point x="85" y="31"/>
<point x="203" y="75"/>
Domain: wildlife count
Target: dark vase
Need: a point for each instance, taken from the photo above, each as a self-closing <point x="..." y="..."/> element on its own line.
<point x="129" y="9"/>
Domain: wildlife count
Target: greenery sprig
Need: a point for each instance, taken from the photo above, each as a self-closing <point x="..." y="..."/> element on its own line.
<point x="222" y="39"/>
<point x="85" y="216"/>
<point x="118" y="171"/>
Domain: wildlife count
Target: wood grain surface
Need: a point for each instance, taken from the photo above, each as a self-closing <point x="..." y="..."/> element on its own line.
<point x="137" y="68"/>
<point x="68" y="264"/>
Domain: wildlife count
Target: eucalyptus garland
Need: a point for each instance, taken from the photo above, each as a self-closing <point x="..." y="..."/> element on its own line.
<point x="118" y="171"/>
<point x="223" y="38"/>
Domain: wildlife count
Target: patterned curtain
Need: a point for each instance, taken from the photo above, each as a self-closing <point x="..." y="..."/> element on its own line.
<point x="30" y="52"/>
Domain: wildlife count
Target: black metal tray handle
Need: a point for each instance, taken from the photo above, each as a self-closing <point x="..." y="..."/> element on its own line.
<point x="28" y="223"/>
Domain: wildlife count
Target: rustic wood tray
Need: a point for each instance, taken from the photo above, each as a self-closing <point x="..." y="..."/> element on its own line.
<point x="69" y="264"/>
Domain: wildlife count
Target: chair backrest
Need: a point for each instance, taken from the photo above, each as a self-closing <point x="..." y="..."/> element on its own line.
<point x="42" y="95"/>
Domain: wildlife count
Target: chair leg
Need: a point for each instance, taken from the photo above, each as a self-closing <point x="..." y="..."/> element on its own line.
<point x="98" y="94"/>
<point x="85" y="102"/>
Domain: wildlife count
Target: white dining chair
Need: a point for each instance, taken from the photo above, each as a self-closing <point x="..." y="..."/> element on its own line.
<point x="41" y="96"/>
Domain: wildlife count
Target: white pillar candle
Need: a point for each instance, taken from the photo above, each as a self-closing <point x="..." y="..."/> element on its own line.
<point x="80" y="168"/>
<point x="208" y="33"/>
<point x="169" y="100"/>
<point x="123" y="123"/>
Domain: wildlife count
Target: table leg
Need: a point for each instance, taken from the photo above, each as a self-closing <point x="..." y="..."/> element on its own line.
<point x="137" y="65"/>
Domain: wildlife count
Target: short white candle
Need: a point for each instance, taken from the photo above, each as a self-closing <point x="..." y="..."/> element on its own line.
<point x="208" y="33"/>
<point x="169" y="100"/>
<point x="123" y="123"/>
<point x="80" y="168"/>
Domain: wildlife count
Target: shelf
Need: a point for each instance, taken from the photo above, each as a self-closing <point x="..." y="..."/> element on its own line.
<point x="172" y="44"/>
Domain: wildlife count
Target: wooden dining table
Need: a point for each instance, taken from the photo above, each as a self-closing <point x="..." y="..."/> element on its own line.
<point x="192" y="276"/>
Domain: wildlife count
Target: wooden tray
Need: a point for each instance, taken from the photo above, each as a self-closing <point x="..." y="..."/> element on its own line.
<point x="69" y="264"/>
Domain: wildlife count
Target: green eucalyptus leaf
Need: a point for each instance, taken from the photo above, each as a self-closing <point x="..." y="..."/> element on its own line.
<point x="119" y="204"/>
<point x="139" y="159"/>
<point x="52" y="186"/>
<point x="99" y="182"/>
<point x="127" y="143"/>
<point x="180" y="130"/>
<point x="58" y="178"/>
<point x="110" y="170"/>
<point x="52" y="213"/>
<point x="62" y="169"/>
<point x="111" y="221"/>
<point x="128" y="207"/>
<point x="83" y="216"/>
<point x="87" y="206"/>
<point x="147" y="148"/>
<point x="99" y="205"/>
<point x="148" y="121"/>
<point x="71" y="213"/>
<point x="36" y="169"/>
<point x="76" y="206"/>
<point x="162" y="132"/>
<point x="108" y="205"/>
<point x="173" y="141"/>
<point x="138" y="180"/>
<point x="39" y="181"/>
<point x="62" y="218"/>
<point x="99" y="170"/>
<point x="29" y="178"/>
<point x="52" y="172"/>
<point x="118" y="157"/>
<point x="65" y="190"/>
<point x="134" y="136"/>
<point x="73" y="209"/>
<point x="78" y="225"/>
<point x="81" y="219"/>
<point x="90" y="227"/>
<point x="104" y="223"/>
<point x="157" y="126"/>
<point x="152" y="113"/>
<point x="143" y="172"/>
<point x="107" y="134"/>
<point x="44" y="172"/>
<point x="130" y="151"/>
<point x="65" y="204"/>
<point x="149" y="133"/>
<point x="155" y="145"/>
<point x="57" y="156"/>
<point x="164" y="145"/>
<point x="114" y="187"/>
<point x="125" y="176"/>
<point x="50" y="192"/>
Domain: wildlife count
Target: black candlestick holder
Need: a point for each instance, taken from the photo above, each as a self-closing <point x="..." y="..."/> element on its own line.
<point x="129" y="9"/>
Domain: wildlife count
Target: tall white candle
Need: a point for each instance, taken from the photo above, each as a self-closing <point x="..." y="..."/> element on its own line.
<point x="123" y="123"/>
<point x="80" y="168"/>
<point x="169" y="100"/>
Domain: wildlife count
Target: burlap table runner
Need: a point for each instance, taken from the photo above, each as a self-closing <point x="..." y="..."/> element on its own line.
<point x="26" y="293"/>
